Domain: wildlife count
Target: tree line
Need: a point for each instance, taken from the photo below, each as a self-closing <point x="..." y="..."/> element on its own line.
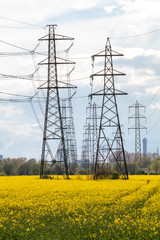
<point x="19" y="166"/>
<point x="24" y="166"/>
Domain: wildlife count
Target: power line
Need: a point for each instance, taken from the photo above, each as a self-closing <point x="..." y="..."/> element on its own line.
<point x="151" y="102"/>
<point x="80" y="97"/>
<point x="26" y="77"/>
<point x="19" y="27"/>
<point x="36" y="116"/>
<point x="14" y="94"/>
<point x="78" y="79"/>
<point x="153" y="97"/>
<point x="80" y="57"/>
<point x="20" y="95"/>
<point x="25" y="23"/>
<point x="13" y="45"/>
<point x="13" y="54"/>
<point x="137" y="35"/>
<point x="154" y="125"/>
<point x="10" y="44"/>
<point x="153" y="111"/>
<point x="20" y="100"/>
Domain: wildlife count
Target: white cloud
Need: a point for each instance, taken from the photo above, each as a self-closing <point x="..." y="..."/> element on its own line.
<point x="7" y="146"/>
<point x="130" y="53"/>
<point x="153" y="90"/>
<point x="109" y="9"/>
<point x="155" y="106"/>
<point x="82" y="4"/>
<point x="39" y="11"/>
<point x="10" y="111"/>
<point x="16" y="128"/>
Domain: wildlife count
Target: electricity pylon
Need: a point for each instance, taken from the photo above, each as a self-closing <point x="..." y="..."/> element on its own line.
<point x="108" y="144"/>
<point x="90" y="135"/>
<point x="53" y="132"/>
<point x="137" y="116"/>
<point x="71" y="136"/>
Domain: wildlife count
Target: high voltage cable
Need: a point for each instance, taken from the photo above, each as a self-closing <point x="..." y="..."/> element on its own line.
<point x="80" y="97"/>
<point x="137" y="35"/>
<point x="154" y="125"/>
<point x="2" y="100"/>
<point x="36" y="116"/>
<point x="27" y="77"/>
<point x="80" y="57"/>
<point x="20" y="27"/>
<point x="153" y="111"/>
<point x="13" y="45"/>
<point x="13" y="100"/>
<point x="20" y="78"/>
<point x="34" y="86"/>
<point x="118" y="37"/>
<point x="29" y="51"/>
<point x="25" y="23"/>
<point x="20" y="95"/>
<point x="4" y="54"/>
<point x="150" y="104"/>
<point x="153" y="97"/>
<point x="10" y="44"/>
<point x="30" y="77"/>
<point x="13" y="94"/>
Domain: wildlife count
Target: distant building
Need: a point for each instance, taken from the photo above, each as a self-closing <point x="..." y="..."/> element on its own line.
<point x="1" y="157"/>
<point x="157" y="152"/>
<point x="144" y="147"/>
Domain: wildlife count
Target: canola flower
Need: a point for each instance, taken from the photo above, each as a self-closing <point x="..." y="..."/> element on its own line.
<point x="79" y="208"/>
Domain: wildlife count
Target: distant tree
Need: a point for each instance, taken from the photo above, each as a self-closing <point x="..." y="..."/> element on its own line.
<point x="1" y="165"/>
<point x="72" y="168"/>
<point x="9" y="168"/>
<point x="19" y="166"/>
<point x="117" y="168"/>
<point x="145" y="162"/>
<point x="36" y="168"/>
<point x="132" y="168"/>
<point x="57" y="170"/>
<point x="155" y="165"/>
<point x="22" y="169"/>
<point x="81" y="171"/>
<point x="32" y="167"/>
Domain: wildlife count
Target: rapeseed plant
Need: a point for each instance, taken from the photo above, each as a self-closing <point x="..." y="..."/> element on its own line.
<point x="80" y="208"/>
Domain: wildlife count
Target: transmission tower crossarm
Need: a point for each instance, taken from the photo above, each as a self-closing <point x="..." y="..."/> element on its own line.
<point x="56" y="36"/>
<point x="103" y="54"/>
<point x="101" y="93"/>
<point x="108" y="73"/>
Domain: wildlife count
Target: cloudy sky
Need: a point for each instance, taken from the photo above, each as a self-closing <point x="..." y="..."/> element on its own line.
<point x="134" y="30"/>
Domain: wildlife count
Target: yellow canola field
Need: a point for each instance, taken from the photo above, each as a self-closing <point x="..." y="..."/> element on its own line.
<point x="79" y="208"/>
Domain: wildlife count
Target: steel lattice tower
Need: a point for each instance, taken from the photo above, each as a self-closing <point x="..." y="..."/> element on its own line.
<point x="90" y="136"/>
<point x="71" y="136"/>
<point x="86" y="148"/>
<point x="53" y="133"/>
<point x="108" y="144"/>
<point x="137" y="127"/>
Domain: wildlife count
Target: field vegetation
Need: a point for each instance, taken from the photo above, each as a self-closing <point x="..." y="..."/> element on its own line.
<point x="79" y="208"/>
